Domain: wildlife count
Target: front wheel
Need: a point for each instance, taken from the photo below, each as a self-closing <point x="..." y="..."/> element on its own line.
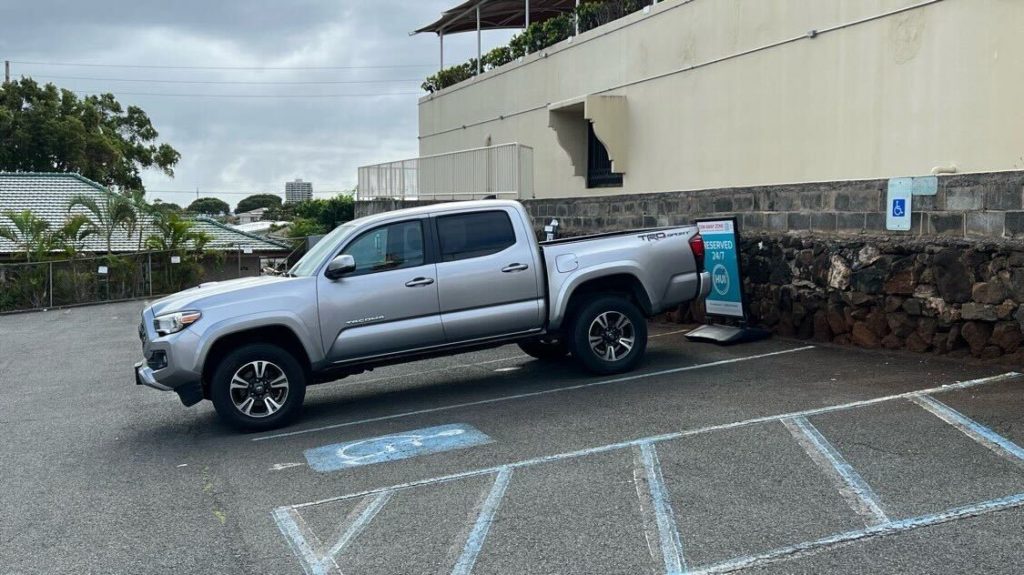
<point x="258" y="387"/>
<point x="609" y="335"/>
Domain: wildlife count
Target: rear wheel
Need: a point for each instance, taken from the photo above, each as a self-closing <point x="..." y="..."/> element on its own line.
<point x="609" y="335"/>
<point x="545" y="348"/>
<point x="258" y="387"/>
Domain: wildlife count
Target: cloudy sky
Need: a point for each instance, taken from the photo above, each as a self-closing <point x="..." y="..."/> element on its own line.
<point x="352" y="61"/>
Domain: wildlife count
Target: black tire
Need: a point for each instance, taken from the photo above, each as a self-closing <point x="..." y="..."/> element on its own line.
<point x="595" y="358"/>
<point x="243" y="361"/>
<point x="545" y="349"/>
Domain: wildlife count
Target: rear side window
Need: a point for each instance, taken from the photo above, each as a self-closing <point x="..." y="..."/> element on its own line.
<point x="465" y="236"/>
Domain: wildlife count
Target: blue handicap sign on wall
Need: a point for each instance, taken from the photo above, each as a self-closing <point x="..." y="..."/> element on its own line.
<point x="394" y="447"/>
<point x="899" y="207"/>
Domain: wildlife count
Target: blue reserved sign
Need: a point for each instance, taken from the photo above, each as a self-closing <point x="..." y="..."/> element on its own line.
<point x="394" y="447"/>
<point x="721" y="259"/>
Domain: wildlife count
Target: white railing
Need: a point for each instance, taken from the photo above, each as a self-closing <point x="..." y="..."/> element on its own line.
<point x="504" y="171"/>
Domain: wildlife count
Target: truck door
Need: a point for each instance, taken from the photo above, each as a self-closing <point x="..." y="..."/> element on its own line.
<point x="389" y="303"/>
<point x="487" y="275"/>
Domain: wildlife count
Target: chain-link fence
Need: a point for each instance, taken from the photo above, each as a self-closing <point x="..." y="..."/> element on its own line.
<point x="56" y="283"/>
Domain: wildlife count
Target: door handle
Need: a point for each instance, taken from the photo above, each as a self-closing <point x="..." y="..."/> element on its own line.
<point x="515" y="268"/>
<point x="419" y="282"/>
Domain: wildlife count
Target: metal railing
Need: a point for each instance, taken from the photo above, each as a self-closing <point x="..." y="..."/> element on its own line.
<point x="503" y="171"/>
<point x="120" y="277"/>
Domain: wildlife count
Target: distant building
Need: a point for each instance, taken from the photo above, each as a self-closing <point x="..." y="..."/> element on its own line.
<point x="251" y="216"/>
<point x="297" y="191"/>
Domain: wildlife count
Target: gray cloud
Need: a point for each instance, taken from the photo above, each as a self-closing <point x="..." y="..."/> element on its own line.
<point x="243" y="144"/>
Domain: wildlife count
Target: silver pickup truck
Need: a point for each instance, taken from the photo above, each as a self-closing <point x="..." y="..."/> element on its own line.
<point x="411" y="284"/>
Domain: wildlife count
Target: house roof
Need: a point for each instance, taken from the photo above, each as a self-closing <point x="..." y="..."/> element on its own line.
<point x="496" y="14"/>
<point x="48" y="195"/>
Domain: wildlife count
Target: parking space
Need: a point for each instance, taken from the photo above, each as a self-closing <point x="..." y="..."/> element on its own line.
<point x="773" y="457"/>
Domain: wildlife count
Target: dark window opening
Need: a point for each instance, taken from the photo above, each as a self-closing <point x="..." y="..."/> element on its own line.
<point x="599" y="165"/>
<point x="474" y="235"/>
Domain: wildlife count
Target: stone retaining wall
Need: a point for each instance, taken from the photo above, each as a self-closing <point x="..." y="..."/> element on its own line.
<point x="931" y="295"/>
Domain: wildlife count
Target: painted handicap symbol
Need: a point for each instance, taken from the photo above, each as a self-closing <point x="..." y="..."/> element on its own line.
<point x="899" y="208"/>
<point x="381" y="448"/>
<point x="393" y="447"/>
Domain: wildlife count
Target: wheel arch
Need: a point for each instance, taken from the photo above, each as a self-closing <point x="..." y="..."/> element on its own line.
<point x="273" y="334"/>
<point x="623" y="284"/>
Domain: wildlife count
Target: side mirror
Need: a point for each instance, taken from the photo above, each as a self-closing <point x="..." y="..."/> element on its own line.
<point x="339" y="266"/>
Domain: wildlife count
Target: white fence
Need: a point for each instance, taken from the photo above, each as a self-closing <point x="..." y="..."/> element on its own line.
<point x="504" y="171"/>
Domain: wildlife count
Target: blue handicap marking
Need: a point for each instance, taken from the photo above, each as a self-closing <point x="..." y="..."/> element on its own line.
<point x="394" y="447"/>
<point x="899" y="207"/>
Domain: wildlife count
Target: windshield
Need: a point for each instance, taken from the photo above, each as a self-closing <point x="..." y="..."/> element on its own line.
<point x="306" y="266"/>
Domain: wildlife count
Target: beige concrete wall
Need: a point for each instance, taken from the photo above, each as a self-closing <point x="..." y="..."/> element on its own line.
<point x="935" y="86"/>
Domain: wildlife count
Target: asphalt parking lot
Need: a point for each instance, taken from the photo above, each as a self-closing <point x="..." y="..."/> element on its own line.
<point x="773" y="457"/>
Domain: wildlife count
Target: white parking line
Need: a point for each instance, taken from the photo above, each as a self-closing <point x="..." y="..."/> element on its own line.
<point x="656" y="496"/>
<point x="857" y="493"/>
<point x="998" y="444"/>
<point x="314" y="563"/>
<point x="535" y="393"/>
<point x="464" y="566"/>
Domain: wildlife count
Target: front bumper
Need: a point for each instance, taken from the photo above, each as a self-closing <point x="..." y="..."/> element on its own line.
<point x="190" y="392"/>
<point x="144" y="376"/>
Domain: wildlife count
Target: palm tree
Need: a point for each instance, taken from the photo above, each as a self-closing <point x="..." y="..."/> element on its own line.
<point x="28" y="232"/>
<point x="71" y="236"/>
<point x="175" y="234"/>
<point x="114" y="212"/>
<point x="143" y="211"/>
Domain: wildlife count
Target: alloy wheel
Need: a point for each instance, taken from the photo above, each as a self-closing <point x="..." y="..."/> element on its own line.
<point x="259" y="389"/>
<point x="611" y="335"/>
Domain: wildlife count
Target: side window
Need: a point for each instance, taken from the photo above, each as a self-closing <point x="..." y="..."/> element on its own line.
<point x="474" y="235"/>
<point x="390" y="247"/>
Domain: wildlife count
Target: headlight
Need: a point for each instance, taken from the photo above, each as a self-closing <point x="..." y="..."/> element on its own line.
<point x="175" y="322"/>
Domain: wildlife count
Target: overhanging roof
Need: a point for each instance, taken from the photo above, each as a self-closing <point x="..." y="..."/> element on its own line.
<point x="496" y="15"/>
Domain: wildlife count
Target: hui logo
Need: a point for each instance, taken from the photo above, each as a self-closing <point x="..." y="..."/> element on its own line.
<point x="720" y="279"/>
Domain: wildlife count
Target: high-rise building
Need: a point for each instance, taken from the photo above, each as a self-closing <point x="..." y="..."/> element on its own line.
<point x="297" y="191"/>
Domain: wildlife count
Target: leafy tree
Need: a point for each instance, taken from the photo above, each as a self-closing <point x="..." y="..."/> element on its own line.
<point x="175" y="234"/>
<point x="47" y="129"/>
<point x="105" y="217"/>
<point x="166" y="207"/>
<point x="305" y="227"/>
<point x="257" y="201"/>
<point x="328" y="214"/>
<point x="29" y="232"/>
<point x="209" y="206"/>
